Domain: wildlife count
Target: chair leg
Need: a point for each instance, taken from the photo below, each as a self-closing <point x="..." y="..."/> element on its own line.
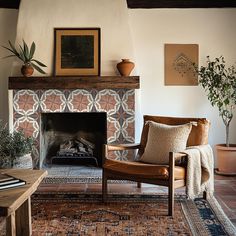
<point x="171" y="196"/>
<point x="171" y="199"/>
<point x="104" y="186"/>
<point x="139" y="185"/>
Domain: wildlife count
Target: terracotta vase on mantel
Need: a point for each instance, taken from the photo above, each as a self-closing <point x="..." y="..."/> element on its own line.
<point x="125" y="67"/>
<point x="27" y="70"/>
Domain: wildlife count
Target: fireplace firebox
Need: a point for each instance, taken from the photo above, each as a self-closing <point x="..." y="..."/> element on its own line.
<point x="73" y="138"/>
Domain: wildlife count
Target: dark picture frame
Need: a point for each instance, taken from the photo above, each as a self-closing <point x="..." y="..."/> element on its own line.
<point x="77" y="51"/>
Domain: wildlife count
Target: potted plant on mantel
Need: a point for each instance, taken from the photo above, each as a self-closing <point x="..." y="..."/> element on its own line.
<point x="15" y="149"/>
<point x="220" y="84"/>
<point x="26" y="55"/>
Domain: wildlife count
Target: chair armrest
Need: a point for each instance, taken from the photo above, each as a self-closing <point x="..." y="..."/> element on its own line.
<point x="120" y="147"/>
<point x="179" y="155"/>
<point x="173" y="157"/>
<point x="179" y="158"/>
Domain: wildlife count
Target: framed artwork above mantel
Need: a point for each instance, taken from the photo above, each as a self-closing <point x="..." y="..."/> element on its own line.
<point x="77" y="51"/>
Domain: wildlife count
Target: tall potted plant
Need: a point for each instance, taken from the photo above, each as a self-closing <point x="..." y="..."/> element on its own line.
<point x="219" y="83"/>
<point x="26" y="54"/>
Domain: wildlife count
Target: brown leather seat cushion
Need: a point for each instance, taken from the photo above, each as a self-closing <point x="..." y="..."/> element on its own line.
<point x="143" y="170"/>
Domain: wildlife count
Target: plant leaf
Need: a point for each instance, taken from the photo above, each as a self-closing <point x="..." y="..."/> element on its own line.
<point x="40" y="63"/>
<point x="9" y="56"/>
<point x="32" y="50"/>
<point x="22" y="54"/>
<point x="22" y="57"/>
<point x="26" y="50"/>
<point x="9" y="50"/>
<point x="38" y="68"/>
<point x="12" y="47"/>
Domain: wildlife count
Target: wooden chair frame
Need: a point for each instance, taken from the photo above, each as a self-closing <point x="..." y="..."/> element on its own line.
<point x="171" y="183"/>
<point x="197" y="136"/>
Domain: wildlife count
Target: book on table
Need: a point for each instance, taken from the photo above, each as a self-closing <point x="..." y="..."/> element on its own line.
<point x="8" y="181"/>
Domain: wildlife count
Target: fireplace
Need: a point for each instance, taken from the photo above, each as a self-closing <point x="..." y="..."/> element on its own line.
<point x="30" y="106"/>
<point x="72" y="138"/>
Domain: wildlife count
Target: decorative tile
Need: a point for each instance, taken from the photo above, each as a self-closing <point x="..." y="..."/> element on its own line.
<point x="53" y="101"/>
<point x="29" y="125"/>
<point x="128" y="103"/>
<point x="127" y="129"/>
<point x="25" y="102"/>
<point x="113" y="130"/>
<point x="107" y="100"/>
<point x="80" y="100"/>
<point x="121" y="155"/>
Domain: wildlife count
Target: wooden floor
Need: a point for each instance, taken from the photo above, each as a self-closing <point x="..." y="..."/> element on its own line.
<point x="225" y="191"/>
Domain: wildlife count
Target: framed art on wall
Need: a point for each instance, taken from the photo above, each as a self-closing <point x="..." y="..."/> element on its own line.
<point x="179" y="60"/>
<point x="77" y="51"/>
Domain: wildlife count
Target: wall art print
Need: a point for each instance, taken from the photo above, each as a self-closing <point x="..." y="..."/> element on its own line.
<point x="179" y="59"/>
<point x="77" y="51"/>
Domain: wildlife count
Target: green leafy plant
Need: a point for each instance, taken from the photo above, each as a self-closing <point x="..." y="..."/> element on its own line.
<point x="26" y="55"/>
<point x="220" y="84"/>
<point x="13" y="145"/>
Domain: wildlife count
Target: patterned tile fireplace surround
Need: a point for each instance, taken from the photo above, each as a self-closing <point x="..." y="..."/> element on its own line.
<point x="118" y="103"/>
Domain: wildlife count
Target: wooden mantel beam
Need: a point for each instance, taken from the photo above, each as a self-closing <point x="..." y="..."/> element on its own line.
<point x="12" y="4"/>
<point x="180" y="3"/>
<point x="69" y="82"/>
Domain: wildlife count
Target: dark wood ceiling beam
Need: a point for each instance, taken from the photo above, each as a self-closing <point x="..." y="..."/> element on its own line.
<point x="180" y="3"/>
<point x="12" y="4"/>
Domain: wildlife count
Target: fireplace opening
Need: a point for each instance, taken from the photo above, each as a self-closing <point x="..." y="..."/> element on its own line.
<point x="72" y="138"/>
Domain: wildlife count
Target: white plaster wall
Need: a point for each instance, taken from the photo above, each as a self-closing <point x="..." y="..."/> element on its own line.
<point x="215" y="32"/>
<point x="38" y="18"/>
<point x="8" y="20"/>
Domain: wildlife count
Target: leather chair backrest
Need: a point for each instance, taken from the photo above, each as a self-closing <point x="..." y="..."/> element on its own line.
<point x="197" y="136"/>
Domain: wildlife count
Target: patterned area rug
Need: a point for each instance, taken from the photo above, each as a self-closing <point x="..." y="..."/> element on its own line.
<point x="85" y="214"/>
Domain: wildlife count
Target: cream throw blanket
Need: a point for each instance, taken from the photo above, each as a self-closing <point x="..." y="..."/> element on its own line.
<point x="200" y="170"/>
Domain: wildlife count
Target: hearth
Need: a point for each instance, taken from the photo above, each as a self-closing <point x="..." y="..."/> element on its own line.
<point x="72" y="138"/>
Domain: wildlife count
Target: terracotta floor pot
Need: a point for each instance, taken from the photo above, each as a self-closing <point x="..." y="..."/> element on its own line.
<point x="226" y="159"/>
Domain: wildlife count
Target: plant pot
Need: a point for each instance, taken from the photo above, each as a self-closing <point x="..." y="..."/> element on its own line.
<point x="27" y="70"/>
<point x="125" y="67"/>
<point x="23" y="162"/>
<point x="226" y="159"/>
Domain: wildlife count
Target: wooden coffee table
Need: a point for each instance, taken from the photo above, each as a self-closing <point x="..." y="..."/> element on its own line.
<point x="15" y="203"/>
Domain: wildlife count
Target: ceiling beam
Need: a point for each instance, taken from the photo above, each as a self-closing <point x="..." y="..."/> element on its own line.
<point x="180" y="3"/>
<point x="12" y="4"/>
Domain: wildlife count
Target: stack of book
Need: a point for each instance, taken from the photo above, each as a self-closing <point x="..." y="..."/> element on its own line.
<point x="7" y="181"/>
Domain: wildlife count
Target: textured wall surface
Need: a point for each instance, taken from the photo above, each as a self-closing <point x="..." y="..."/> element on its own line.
<point x="8" y="20"/>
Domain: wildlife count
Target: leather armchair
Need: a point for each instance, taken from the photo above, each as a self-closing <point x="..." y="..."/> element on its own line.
<point x="172" y="175"/>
